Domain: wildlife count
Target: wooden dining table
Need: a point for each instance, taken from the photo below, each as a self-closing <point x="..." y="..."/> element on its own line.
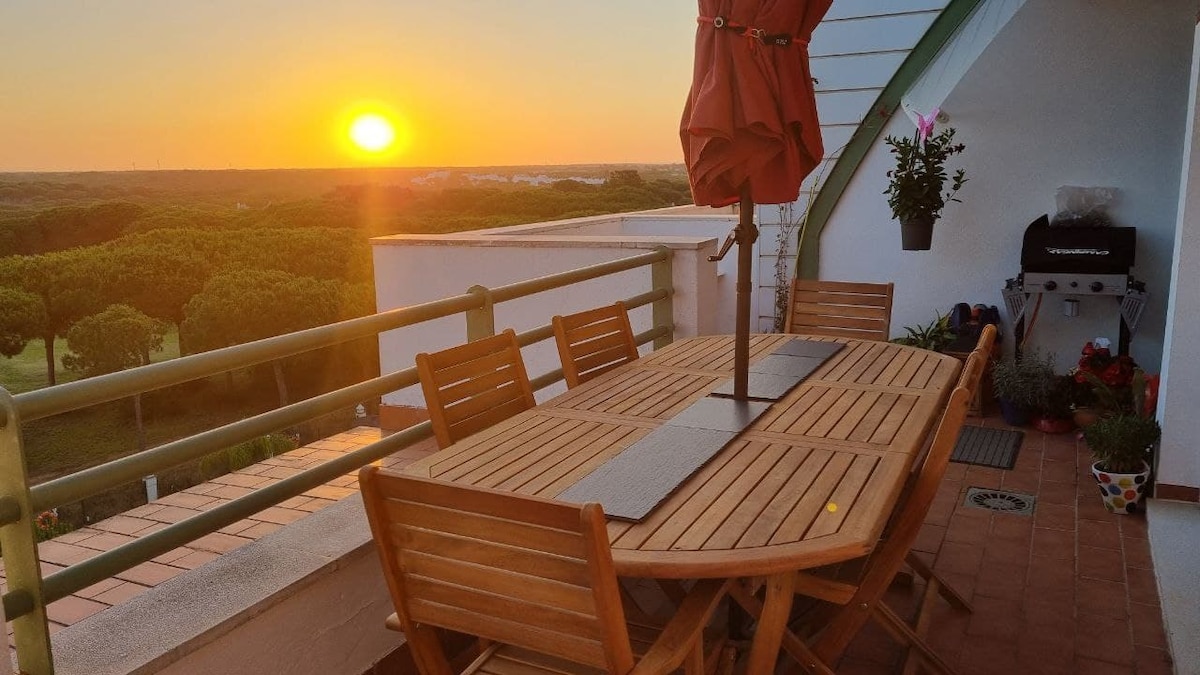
<point x="811" y="482"/>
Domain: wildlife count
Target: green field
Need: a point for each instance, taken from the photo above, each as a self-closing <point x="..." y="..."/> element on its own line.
<point x="27" y="370"/>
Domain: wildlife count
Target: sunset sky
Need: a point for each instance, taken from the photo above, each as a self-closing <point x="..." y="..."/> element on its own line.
<point x="124" y="84"/>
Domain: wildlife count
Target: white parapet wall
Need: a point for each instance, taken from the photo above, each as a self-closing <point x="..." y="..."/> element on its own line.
<point x="412" y="269"/>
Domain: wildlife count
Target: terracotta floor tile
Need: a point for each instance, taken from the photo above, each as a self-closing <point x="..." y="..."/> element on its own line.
<point x="996" y="618"/>
<point x="279" y="515"/>
<point x="1137" y="553"/>
<point x="173" y="514"/>
<point x="99" y="587"/>
<point x="72" y="609"/>
<point x="149" y="573"/>
<point x="1006" y="527"/>
<point x="1051" y="543"/>
<point x="259" y="530"/>
<point x="1151" y="661"/>
<point x="965" y="529"/>
<point x="186" y="500"/>
<point x="1046" y="652"/>
<point x="124" y="525"/>
<point x="218" y="542"/>
<point x="959" y="558"/>
<point x="1059" y="471"/>
<point x="1057" y="493"/>
<point x="1107" y="639"/>
<point x="988" y="656"/>
<point x="1147" y="623"/>
<point x="985" y="477"/>
<point x="1143" y="587"/>
<point x="1095" y="597"/>
<point x="1099" y="534"/>
<point x="195" y="559"/>
<point x="1020" y="481"/>
<point x="1001" y="580"/>
<point x="1012" y="553"/>
<point x="63" y="554"/>
<point x="1086" y="666"/>
<point x="1101" y="563"/>
<point x="120" y="593"/>
<point x="1055" y="516"/>
<point x="230" y="491"/>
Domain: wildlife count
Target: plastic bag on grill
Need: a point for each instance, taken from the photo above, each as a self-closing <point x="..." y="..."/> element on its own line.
<point x="1083" y="206"/>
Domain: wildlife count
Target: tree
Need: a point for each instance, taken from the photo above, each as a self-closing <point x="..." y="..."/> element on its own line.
<point x="22" y="318"/>
<point x="117" y="338"/>
<point x="242" y="306"/>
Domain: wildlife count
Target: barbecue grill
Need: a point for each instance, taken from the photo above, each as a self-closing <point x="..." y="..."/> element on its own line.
<point x="1077" y="261"/>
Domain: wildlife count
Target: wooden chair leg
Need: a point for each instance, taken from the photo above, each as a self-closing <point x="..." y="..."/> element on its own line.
<point x="905" y="635"/>
<point x="951" y="596"/>
<point x="794" y="646"/>
<point x="911" y="661"/>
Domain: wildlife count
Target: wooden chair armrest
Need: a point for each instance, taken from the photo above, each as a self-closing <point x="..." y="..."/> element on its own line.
<point x="684" y="629"/>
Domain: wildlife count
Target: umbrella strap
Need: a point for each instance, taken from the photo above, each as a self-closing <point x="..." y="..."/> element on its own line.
<point x="760" y="35"/>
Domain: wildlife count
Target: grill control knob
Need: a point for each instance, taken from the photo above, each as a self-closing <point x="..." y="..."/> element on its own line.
<point x="1097" y="286"/>
<point x="1050" y="285"/>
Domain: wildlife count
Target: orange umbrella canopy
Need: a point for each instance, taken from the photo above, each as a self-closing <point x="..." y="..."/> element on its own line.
<point x="751" y="115"/>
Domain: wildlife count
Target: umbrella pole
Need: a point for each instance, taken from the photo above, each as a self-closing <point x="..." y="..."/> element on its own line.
<point x="746" y="234"/>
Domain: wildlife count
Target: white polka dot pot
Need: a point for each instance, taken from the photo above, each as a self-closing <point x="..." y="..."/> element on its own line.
<point x="1122" y="491"/>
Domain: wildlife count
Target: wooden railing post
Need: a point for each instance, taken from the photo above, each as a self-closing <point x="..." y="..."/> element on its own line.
<point x="663" y="310"/>
<point x="481" y="322"/>
<point x="23" y="604"/>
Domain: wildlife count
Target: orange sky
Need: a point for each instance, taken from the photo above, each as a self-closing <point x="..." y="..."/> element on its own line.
<point x="141" y="84"/>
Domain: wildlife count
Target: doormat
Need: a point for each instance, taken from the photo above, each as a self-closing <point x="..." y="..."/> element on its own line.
<point x="984" y="446"/>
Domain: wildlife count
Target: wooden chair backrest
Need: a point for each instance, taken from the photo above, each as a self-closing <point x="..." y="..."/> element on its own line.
<point x="987" y="339"/>
<point x="972" y="371"/>
<point x="593" y="342"/>
<point x="515" y="569"/>
<point x="862" y="311"/>
<point x="885" y="561"/>
<point x="470" y="387"/>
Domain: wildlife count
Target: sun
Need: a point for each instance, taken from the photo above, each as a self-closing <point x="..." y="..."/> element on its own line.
<point x="372" y="132"/>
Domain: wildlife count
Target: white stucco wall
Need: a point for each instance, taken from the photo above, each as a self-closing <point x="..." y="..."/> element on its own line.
<point x="1179" y="452"/>
<point x="1070" y="92"/>
<point x="415" y="269"/>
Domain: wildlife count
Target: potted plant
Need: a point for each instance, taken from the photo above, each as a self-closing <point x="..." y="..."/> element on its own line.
<point x="935" y="336"/>
<point x="1120" y="446"/>
<point x="1053" y="414"/>
<point x="1020" y="385"/>
<point x="916" y="188"/>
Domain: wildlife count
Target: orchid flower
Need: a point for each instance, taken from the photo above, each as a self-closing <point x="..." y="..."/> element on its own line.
<point x="925" y="123"/>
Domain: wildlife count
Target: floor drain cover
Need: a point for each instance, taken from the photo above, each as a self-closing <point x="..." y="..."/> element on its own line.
<point x="999" y="500"/>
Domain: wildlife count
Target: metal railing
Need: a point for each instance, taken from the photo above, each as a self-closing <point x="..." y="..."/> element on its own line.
<point x="28" y="592"/>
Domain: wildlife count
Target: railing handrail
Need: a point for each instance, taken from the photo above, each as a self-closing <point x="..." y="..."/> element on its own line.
<point x="29" y="593"/>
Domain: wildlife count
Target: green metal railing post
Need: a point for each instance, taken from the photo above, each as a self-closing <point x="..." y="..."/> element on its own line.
<point x="663" y="310"/>
<point x="481" y="321"/>
<point x="31" y="634"/>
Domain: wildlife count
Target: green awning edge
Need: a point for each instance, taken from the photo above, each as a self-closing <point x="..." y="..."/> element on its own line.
<point x="808" y="257"/>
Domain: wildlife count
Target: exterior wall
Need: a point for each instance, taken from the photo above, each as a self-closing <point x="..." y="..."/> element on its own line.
<point x="1069" y="93"/>
<point x="414" y="269"/>
<point x="854" y="53"/>
<point x="1179" y="452"/>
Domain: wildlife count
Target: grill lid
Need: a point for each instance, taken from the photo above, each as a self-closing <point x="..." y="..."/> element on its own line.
<point x="1078" y="250"/>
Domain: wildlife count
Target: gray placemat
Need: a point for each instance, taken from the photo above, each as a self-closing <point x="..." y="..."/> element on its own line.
<point x="773" y="376"/>
<point x="641" y="476"/>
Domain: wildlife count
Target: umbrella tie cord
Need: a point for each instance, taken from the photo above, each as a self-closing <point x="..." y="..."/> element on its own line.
<point x="757" y="35"/>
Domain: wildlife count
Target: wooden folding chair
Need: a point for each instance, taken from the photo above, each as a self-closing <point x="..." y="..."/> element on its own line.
<point x="473" y="386"/>
<point x="863" y="600"/>
<point x="532" y="577"/>
<point x="593" y="342"/>
<point x="987" y="339"/>
<point x="861" y="311"/>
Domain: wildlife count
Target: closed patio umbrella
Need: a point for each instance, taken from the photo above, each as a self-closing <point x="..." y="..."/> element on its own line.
<point x="749" y="130"/>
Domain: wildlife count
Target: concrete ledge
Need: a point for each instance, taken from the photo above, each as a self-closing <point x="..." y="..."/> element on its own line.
<point x="309" y="598"/>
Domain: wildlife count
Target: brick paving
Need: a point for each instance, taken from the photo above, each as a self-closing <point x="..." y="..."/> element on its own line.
<point x="1070" y="589"/>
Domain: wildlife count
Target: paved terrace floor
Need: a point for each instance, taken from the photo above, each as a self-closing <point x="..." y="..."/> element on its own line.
<point x="1070" y="589"/>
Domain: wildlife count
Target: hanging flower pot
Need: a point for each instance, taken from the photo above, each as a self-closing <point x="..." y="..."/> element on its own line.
<point x="916" y="234"/>
<point x="917" y="190"/>
<point x="1121" y="491"/>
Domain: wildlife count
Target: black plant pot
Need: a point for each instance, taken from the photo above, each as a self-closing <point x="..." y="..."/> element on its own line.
<point x="1013" y="414"/>
<point x="916" y="235"/>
